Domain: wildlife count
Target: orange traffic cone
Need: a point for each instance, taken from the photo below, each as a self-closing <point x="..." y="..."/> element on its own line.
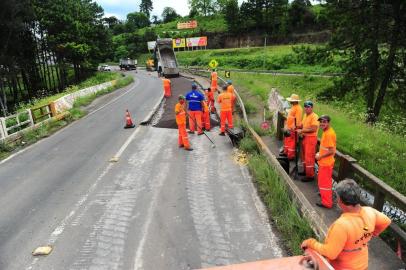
<point x="128" y="121"/>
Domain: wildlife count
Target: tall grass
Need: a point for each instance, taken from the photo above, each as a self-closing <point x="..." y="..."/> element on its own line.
<point x="273" y="191"/>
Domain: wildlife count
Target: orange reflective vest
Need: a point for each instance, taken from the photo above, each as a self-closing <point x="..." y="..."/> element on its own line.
<point x="310" y="120"/>
<point x="226" y="100"/>
<point x="180" y="114"/>
<point x="294" y="117"/>
<point x="214" y="76"/>
<point x="166" y="82"/>
<point x="230" y="89"/>
<point x="328" y="140"/>
<point x="346" y="244"/>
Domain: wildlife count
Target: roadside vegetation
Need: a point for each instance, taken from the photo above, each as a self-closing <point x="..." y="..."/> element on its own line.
<point x="293" y="227"/>
<point x="282" y="58"/>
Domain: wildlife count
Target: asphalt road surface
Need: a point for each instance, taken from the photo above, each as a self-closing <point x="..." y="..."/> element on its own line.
<point x="157" y="207"/>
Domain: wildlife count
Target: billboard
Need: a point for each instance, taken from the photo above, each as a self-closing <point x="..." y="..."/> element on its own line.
<point x="179" y="43"/>
<point x="151" y="45"/>
<point x="187" y="25"/>
<point x="196" y="42"/>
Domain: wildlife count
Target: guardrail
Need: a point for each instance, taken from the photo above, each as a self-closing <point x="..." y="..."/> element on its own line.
<point x="349" y="168"/>
<point x="16" y="123"/>
<point x="41" y="113"/>
<point x="271" y="72"/>
<point x="55" y="109"/>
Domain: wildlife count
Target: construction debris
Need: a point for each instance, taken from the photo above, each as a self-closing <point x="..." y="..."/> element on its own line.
<point x="240" y="157"/>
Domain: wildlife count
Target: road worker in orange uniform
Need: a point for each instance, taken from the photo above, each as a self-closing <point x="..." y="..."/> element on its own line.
<point x="210" y="99"/>
<point x="226" y="101"/>
<point x="195" y="99"/>
<point x="346" y="243"/>
<point x="206" y="116"/>
<point x="230" y="89"/>
<point x="310" y="126"/>
<point x="213" y="79"/>
<point x="180" y="112"/>
<point x="325" y="159"/>
<point x="167" y="87"/>
<point x="293" y="121"/>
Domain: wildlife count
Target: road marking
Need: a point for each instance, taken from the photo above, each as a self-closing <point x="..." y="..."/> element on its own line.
<point x="59" y="229"/>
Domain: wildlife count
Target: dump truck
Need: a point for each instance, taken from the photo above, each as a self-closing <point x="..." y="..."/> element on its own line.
<point x="128" y="64"/>
<point x="165" y="58"/>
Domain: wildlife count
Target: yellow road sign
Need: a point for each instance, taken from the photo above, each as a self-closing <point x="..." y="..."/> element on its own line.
<point x="213" y="63"/>
<point x="227" y="74"/>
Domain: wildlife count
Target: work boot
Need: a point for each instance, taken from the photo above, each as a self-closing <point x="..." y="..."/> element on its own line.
<point x="222" y="134"/>
<point x="189" y="149"/>
<point x="180" y="146"/>
<point x="201" y="133"/>
<point x="302" y="174"/>
<point x="191" y="132"/>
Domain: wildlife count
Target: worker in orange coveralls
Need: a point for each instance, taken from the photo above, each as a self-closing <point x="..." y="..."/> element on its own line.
<point x="293" y="121"/>
<point x="230" y="89"/>
<point x="325" y="159"/>
<point x="210" y="99"/>
<point x="206" y="116"/>
<point x="167" y="87"/>
<point x="225" y="100"/>
<point x="195" y="99"/>
<point x="214" y="79"/>
<point x="180" y="112"/>
<point x="346" y="243"/>
<point x="310" y="126"/>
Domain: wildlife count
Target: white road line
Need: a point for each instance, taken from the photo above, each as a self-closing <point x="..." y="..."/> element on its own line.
<point x="61" y="227"/>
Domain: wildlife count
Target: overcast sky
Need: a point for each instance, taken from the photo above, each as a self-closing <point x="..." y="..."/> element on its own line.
<point x="120" y="8"/>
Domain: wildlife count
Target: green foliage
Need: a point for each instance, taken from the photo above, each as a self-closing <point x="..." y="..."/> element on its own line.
<point x="249" y="107"/>
<point x="284" y="58"/>
<point x="370" y="37"/>
<point x="248" y="145"/>
<point x="146" y="7"/>
<point x="285" y="215"/>
<point x="169" y="14"/>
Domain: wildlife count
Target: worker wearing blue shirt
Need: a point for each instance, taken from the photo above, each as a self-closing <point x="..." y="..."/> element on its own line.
<point x="195" y="106"/>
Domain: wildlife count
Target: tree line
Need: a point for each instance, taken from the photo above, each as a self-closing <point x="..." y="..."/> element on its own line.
<point x="49" y="44"/>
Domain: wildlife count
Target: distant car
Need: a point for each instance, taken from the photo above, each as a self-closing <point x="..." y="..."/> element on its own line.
<point x="105" y="68"/>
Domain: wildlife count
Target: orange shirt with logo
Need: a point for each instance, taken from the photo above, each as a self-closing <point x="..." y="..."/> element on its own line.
<point x="294" y="113"/>
<point x="226" y="100"/>
<point x="180" y="114"/>
<point x="328" y="140"/>
<point x="310" y="120"/>
<point x="346" y="243"/>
